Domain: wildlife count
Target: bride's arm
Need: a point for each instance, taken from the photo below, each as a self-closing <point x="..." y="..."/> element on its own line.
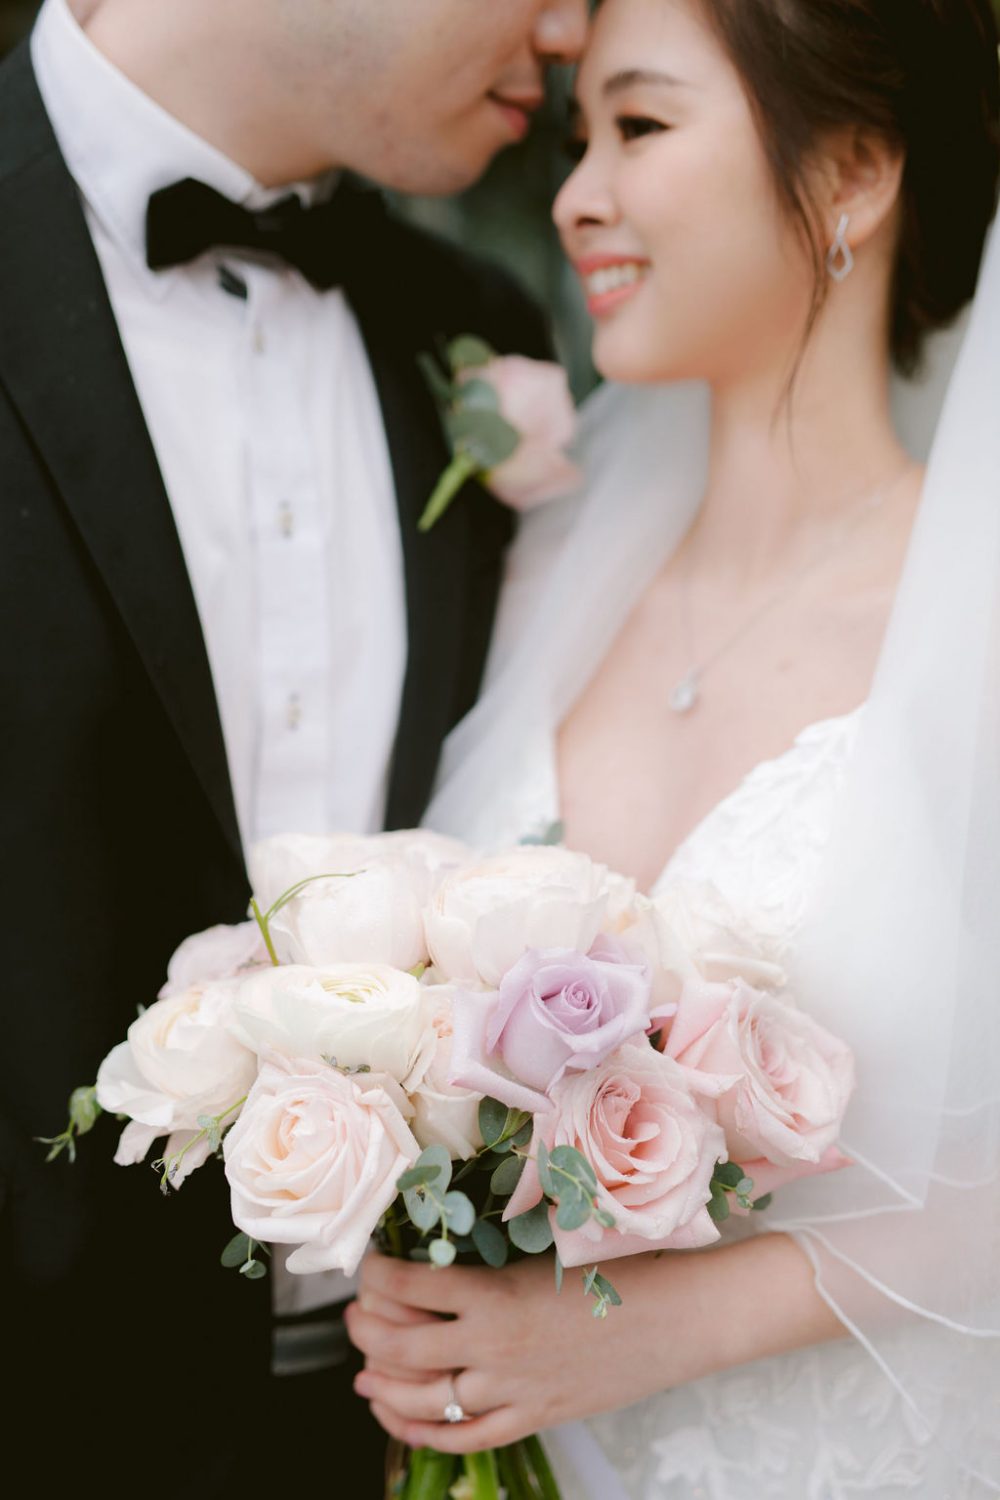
<point x="531" y="1359"/>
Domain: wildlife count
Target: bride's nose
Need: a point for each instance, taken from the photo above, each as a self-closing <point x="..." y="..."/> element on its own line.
<point x="585" y="200"/>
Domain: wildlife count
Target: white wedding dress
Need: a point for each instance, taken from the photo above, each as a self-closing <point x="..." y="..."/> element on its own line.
<point x="865" y="860"/>
<point x="823" y="1423"/>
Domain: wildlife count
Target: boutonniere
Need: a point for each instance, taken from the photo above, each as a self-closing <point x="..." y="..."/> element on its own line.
<point x="509" y="421"/>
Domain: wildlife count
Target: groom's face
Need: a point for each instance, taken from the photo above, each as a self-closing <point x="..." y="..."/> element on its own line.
<point x="436" y="87"/>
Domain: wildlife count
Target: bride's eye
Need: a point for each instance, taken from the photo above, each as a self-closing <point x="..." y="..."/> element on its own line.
<point x="634" y="127"/>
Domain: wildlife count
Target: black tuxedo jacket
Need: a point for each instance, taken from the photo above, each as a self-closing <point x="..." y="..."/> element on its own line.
<point x="119" y="832"/>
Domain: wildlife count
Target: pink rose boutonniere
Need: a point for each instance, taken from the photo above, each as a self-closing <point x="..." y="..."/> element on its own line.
<point x="509" y="421"/>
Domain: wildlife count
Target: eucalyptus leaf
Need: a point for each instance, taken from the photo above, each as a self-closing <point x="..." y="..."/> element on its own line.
<point x="761" y="1203"/>
<point x="468" y="352"/>
<point x="490" y="1243"/>
<point x="589" y="1277"/>
<point x="555" y="833"/>
<point x="544" y="1171"/>
<point x="477" y="395"/>
<point x="729" y="1173"/>
<point x="744" y="1187"/>
<point x="237" y="1252"/>
<point x="718" y="1207"/>
<point x="507" y="1176"/>
<point x="569" y="1159"/>
<point x="439" y="1158"/>
<point x="442" y="1252"/>
<point x="523" y="1136"/>
<point x="532" y="1231"/>
<point x="603" y="1285"/>
<point x="486" y="436"/>
<point x="254" y="1270"/>
<point x="606" y="1219"/>
<point x="458" y="1212"/>
<point x="441" y="387"/>
<point x="559" y="1274"/>
<point x="492" y="1120"/>
<point x="424" y="1212"/>
<point x="417" y="1177"/>
<point x="573" y="1211"/>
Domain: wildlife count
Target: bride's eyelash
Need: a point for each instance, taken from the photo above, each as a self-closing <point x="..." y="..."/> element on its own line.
<point x="634" y="127"/>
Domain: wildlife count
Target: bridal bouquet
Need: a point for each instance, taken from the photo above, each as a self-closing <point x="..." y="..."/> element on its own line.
<point x="467" y="1058"/>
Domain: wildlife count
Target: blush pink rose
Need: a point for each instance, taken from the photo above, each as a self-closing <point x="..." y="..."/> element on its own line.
<point x="556" y="1011"/>
<point x="653" y="1147"/>
<point x="313" y="1161"/>
<point x="535" y="399"/>
<point x="781" y="1081"/>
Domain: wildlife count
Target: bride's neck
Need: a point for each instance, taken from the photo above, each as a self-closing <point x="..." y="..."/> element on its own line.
<point x="788" y="460"/>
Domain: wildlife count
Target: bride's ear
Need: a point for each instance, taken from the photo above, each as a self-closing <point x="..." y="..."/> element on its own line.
<point x="860" y="176"/>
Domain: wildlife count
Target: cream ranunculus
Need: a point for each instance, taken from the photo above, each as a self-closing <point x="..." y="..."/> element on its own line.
<point x="485" y="916"/>
<point x="369" y="912"/>
<point x="444" y="1114"/>
<point x="314" y="1159"/>
<point x="356" y="1014"/>
<point x="180" y="1062"/>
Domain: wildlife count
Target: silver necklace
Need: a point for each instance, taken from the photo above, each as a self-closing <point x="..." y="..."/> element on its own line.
<point x="686" y="692"/>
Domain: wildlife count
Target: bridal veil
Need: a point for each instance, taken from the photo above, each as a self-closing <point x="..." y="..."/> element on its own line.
<point x="900" y="950"/>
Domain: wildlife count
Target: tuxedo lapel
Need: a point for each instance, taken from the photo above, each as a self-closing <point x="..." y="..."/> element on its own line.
<point x="62" y="362"/>
<point x="437" y="563"/>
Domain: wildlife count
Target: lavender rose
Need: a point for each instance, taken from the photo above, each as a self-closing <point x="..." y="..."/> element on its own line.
<point x="556" y="1011"/>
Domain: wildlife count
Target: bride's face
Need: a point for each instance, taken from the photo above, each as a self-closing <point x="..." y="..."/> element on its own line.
<point x="690" y="266"/>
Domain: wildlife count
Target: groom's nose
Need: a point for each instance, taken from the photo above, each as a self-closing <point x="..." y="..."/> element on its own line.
<point x="561" y="30"/>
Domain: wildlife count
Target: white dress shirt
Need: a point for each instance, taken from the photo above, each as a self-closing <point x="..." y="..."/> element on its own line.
<point x="266" y="423"/>
<point x="268" y="431"/>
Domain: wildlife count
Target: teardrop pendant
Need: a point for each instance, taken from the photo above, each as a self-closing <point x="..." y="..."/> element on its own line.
<point x="686" y="693"/>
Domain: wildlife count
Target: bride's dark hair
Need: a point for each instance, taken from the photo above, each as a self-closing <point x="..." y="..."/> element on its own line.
<point x="925" y="75"/>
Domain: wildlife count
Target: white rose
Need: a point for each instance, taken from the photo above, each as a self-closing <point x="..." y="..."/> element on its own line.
<point x="218" y="953"/>
<point x="359" y="1015"/>
<point x="180" y="1062"/>
<point x="444" y="1114"/>
<point x="485" y="916"/>
<point x="370" y="912"/>
<point x="314" y="1159"/>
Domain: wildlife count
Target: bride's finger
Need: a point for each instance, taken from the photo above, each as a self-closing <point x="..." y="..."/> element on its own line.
<point x="393" y="1312"/>
<point x="495" y="1430"/>
<point x="418" y="1346"/>
<point x="427" y="1401"/>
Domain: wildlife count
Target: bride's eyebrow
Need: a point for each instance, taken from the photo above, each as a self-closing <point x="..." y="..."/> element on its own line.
<point x="629" y="78"/>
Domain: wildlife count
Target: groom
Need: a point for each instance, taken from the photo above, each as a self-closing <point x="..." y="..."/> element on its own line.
<point x="219" y="620"/>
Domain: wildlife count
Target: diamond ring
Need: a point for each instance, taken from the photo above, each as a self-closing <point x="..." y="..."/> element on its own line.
<point x="454" y="1411"/>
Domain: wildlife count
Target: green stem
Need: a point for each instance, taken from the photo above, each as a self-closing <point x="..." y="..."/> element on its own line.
<point x="431" y="1475"/>
<point x="541" y="1471"/>
<point x="481" y="1468"/>
<point x="265" y="930"/>
<point x="458" y="473"/>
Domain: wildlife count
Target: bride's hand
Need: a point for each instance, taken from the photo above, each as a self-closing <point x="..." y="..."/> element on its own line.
<point x="524" y="1357"/>
<point x="528" y="1357"/>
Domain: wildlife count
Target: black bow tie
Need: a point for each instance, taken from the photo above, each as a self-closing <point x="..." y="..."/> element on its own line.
<point x="185" y="220"/>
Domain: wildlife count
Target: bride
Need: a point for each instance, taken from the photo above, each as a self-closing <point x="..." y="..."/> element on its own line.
<point x="757" y="666"/>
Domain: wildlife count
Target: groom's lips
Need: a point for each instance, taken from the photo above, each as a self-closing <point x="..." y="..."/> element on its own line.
<point x="517" y="110"/>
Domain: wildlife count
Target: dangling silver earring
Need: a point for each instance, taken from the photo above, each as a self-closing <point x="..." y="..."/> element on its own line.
<point x="839" y="257"/>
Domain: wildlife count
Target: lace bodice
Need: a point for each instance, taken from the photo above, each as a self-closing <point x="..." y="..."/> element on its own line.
<point x="824" y="1423"/>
